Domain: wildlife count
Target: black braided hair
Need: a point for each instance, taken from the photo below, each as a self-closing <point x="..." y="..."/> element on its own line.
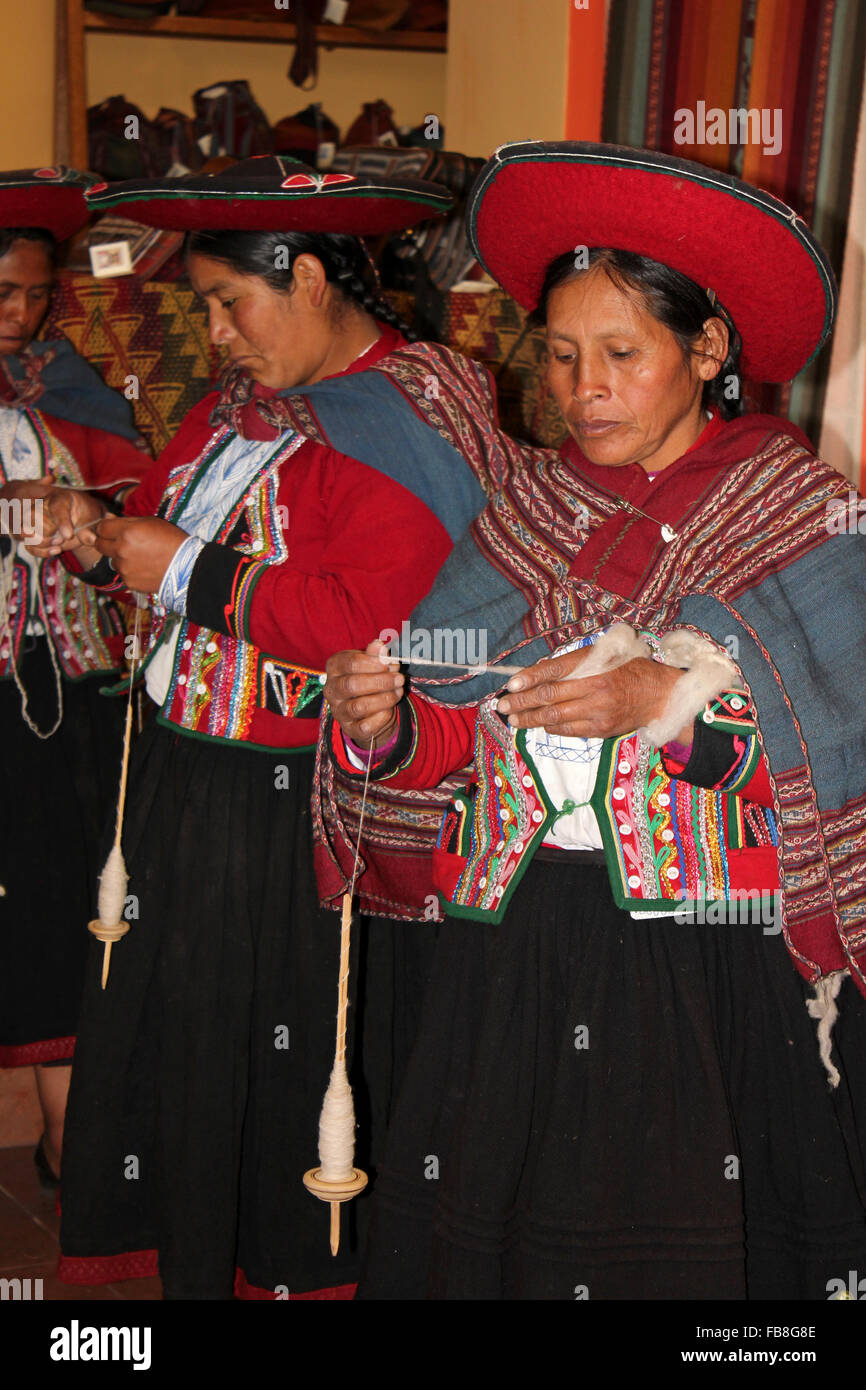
<point x="46" y="239"/>
<point x="674" y="300"/>
<point x="271" y="256"/>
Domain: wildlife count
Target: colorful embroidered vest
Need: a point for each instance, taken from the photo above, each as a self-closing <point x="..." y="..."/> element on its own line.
<point x="220" y="687"/>
<point x="85" y="626"/>
<point x="667" y="844"/>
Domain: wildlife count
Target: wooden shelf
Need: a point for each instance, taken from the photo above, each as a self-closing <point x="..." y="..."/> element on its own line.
<point x="263" y="30"/>
<point x="74" y="23"/>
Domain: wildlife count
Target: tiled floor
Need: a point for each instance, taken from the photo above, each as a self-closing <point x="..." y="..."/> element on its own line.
<point x="29" y="1227"/>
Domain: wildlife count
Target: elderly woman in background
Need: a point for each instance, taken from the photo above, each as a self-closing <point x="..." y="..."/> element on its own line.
<point x="616" y="1090"/>
<point x="59" y="423"/>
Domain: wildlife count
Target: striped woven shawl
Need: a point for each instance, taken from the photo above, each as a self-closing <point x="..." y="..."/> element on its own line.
<point x="760" y="564"/>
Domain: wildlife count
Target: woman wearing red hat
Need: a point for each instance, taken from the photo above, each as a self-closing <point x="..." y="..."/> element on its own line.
<point x="311" y="498"/>
<point x="616" y="1089"/>
<point x="58" y="423"/>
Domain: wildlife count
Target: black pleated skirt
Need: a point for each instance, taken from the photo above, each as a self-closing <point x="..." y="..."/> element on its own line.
<point x="598" y="1107"/>
<point x="200" y="1070"/>
<point x="56" y="797"/>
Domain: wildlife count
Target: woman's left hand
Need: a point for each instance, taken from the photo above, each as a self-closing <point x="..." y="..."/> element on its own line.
<point x="140" y="548"/>
<point x="65" y="511"/>
<point x="603" y="706"/>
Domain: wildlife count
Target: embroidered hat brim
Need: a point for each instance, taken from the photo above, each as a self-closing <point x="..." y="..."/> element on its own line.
<point x="276" y="194"/>
<point x="51" y="198"/>
<point x="534" y="200"/>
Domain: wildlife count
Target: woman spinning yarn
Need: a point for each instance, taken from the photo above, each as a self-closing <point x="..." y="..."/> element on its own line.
<point x="313" y="497"/>
<point x="654" y="879"/>
<point x="59" y="738"/>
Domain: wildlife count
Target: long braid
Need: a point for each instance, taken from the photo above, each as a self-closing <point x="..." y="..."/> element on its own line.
<point x="358" y="279"/>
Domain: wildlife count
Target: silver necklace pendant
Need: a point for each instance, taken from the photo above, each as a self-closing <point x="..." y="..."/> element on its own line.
<point x="668" y="534"/>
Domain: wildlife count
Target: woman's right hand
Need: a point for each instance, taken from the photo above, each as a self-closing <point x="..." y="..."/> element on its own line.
<point x="363" y="694"/>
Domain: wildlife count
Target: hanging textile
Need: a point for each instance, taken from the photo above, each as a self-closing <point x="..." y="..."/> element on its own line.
<point x="796" y="64"/>
<point x="843" y="428"/>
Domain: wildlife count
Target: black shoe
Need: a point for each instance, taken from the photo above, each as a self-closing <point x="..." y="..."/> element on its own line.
<point x="48" y="1179"/>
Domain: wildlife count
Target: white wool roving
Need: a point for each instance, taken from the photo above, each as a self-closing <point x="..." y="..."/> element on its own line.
<point x="614" y="647"/>
<point x="823" y="1007"/>
<point x="708" y="671"/>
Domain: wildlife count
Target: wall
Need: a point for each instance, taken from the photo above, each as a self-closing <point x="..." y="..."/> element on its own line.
<point x="27" y="84"/>
<point x="165" y="71"/>
<point x="507" y="72"/>
<point x="154" y="72"/>
<point x="505" y="77"/>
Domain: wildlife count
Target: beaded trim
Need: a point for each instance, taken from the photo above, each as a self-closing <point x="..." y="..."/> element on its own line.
<point x="217" y="683"/>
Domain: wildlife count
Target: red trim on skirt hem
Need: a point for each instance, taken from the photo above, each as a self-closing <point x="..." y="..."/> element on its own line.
<point x="249" y="1292"/>
<point x="105" y="1269"/>
<point x="29" y="1054"/>
<point x="144" y="1264"/>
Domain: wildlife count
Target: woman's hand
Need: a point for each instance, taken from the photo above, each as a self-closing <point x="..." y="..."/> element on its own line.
<point x="65" y="511"/>
<point x="603" y="706"/>
<point x="21" y="521"/>
<point x="363" y="694"/>
<point x="140" y="548"/>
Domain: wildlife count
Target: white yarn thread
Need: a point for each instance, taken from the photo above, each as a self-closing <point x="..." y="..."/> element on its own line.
<point x="7" y="579"/>
<point x="7" y="576"/>
<point x="110" y="926"/>
<point x="337" y="1118"/>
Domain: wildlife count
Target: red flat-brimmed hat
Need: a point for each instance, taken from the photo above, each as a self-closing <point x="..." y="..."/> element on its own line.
<point x="51" y="198"/>
<point x="533" y="201"/>
<point x="273" y="193"/>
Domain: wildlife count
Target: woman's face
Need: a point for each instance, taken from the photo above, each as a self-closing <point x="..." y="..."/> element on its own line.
<point x="280" y="339"/>
<point x="26" y="277"/>
<point x="625" y="389"/>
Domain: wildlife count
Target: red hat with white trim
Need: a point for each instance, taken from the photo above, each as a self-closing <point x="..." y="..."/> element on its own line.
<point x="533" y="201"/>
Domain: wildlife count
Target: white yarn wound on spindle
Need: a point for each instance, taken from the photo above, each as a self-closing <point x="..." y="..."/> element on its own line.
<point x="337" y="1129"/>
<point x="823" y="1007"/>
<point x="112" y="888"/>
